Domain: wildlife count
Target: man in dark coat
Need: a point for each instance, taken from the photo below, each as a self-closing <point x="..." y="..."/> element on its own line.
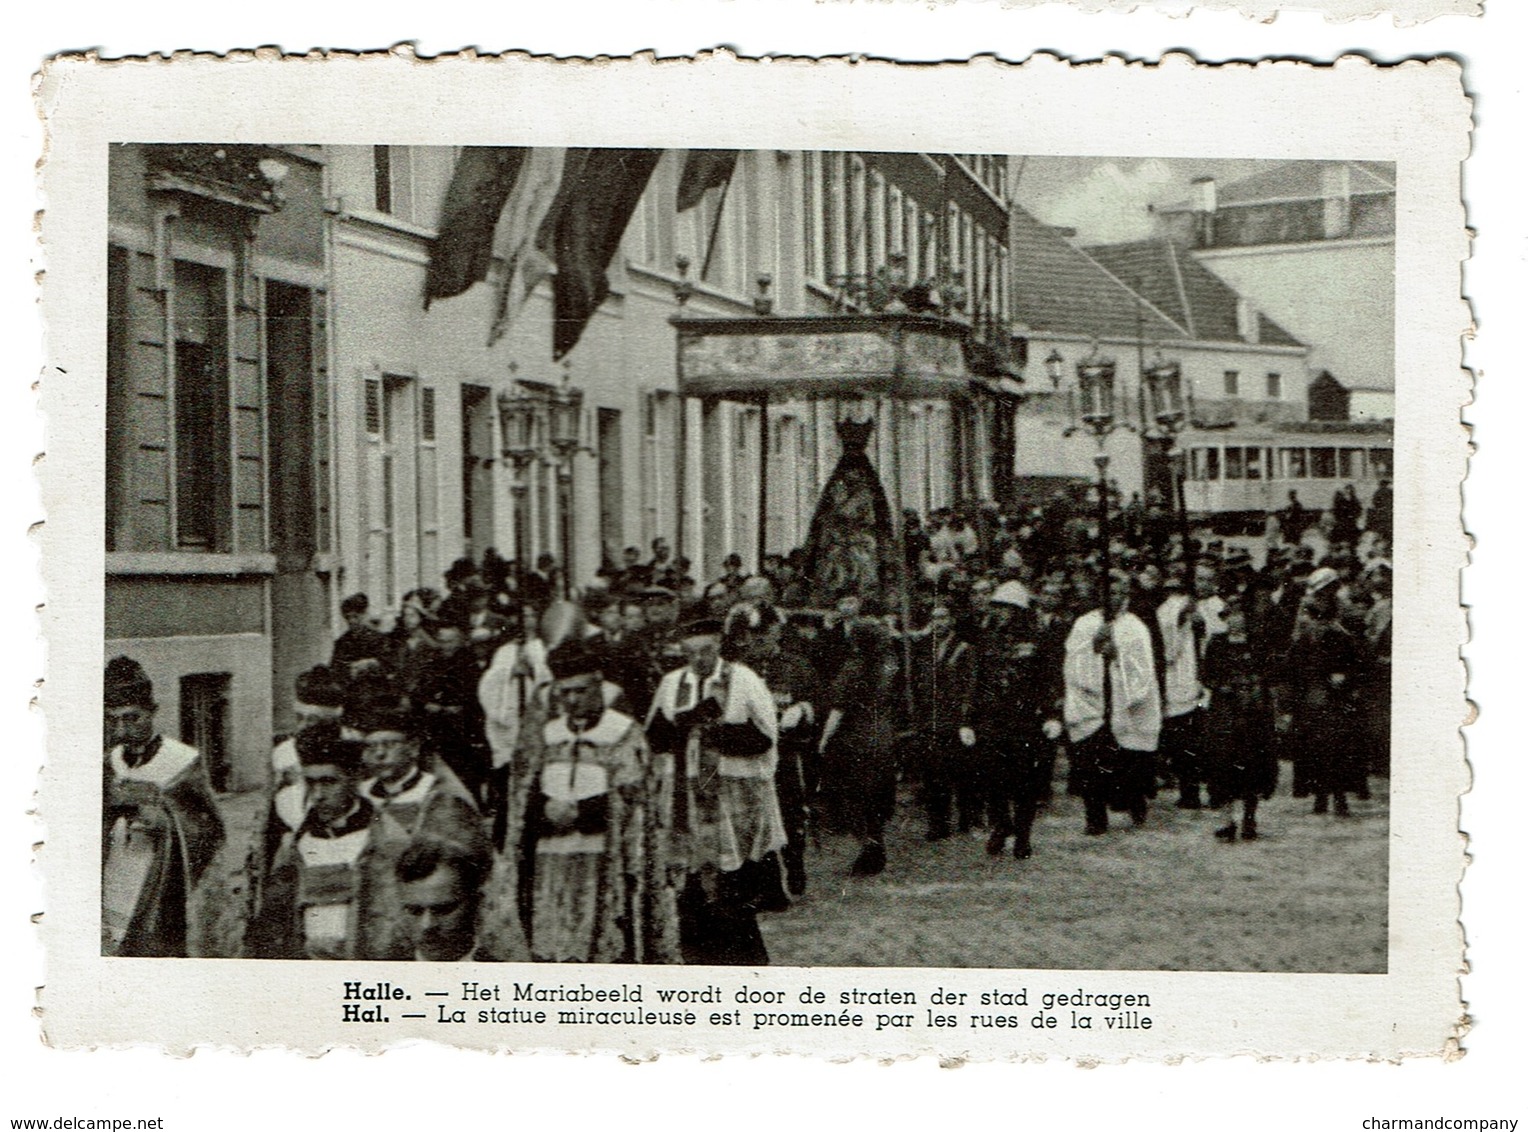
<point x="1322" y="662"/>
<point x="943" y="674"/>
<point x="1011" y="705"/>
<point x="359" y="645"/>
<point x="447" y="696"/>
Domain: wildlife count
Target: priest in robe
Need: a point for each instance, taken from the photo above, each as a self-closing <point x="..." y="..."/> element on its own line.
<point x="160" y="827"/>
<point x="591" y="850"/>
<point x="310" y="906"/>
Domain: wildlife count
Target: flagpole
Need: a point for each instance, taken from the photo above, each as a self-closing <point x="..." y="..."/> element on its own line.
<point x="716" y="226"/>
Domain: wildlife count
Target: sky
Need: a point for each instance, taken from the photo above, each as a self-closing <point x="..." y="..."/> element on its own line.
<point x="1105" y="198"/>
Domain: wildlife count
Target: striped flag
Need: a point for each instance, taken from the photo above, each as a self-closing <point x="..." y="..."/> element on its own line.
<point x="518" y="240"/>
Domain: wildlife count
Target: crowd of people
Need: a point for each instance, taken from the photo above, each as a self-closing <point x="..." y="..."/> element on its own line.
<point x="507" y="769"/>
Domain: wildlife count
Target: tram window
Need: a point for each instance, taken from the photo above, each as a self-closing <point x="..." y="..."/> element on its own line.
<point x="1212" y="463"/>
<point x="1350" y="463"/>
<point x="1254" y="463"/>
<point x="1323" y="463"/>
<point x="1380" y="463"/>
<point x="1235" y="468"/>
<point x="1292" y="463"/>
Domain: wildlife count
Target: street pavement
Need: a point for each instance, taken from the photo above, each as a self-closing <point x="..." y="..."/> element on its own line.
<point x="1309" y="896"/>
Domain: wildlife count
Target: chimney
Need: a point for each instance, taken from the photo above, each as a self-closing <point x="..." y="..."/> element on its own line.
<point x="1248" y="325"/>
<point x="1203" y="202"/>
<point x="1336" y="200"/>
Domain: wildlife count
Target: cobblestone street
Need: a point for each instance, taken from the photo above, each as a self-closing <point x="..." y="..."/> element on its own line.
<point x="1309" y="895"/>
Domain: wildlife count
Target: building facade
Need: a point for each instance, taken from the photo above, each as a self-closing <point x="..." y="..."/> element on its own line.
<point x="219" y="547"/>
<point x="1137" y="305"/>
<point x="288" y="423"/>
<point x="1312" y="243"/>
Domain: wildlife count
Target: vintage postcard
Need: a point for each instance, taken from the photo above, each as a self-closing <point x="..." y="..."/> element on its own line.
<point x="730" y="556"/>
<point x="1403" y="12"/>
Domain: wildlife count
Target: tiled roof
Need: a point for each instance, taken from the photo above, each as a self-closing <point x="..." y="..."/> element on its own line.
<point x="1186" y="291"/>
<point x="1061" y="289"/>
<point x="1295" y="180"/>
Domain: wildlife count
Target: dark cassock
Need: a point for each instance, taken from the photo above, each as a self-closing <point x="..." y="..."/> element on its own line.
<point x="160" y="827"/>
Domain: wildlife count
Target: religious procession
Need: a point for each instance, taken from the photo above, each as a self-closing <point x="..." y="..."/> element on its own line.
<point x="636" y="776"/>
<point x="865" y="525"/>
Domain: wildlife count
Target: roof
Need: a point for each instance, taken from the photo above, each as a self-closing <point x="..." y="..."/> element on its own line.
<point x="1294" y="180"/>
<point x="1059" y="288"/>
<point x="1186" y="291"/>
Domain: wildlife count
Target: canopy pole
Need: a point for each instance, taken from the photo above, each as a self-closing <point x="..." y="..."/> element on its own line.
<point x="681" y="470"/>
<point x="904" y="574"/>
<point x="763" y="479"/>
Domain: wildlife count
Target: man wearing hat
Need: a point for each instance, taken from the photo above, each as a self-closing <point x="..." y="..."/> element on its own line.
<point x="160" y="827"/>
<point x="1322" y="662"/>
<point x="310" y="902"/>
<point x="1011" y="706"/>
<point x="319" y="700"/>
<point x="592" y="873"/>
<point x="408" y="800"/>
<point x="714" y="723"/>
<point x="641" y="658"/>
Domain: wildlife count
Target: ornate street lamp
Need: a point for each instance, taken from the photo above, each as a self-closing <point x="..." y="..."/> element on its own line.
<point x="1095" y="386"/>
<point x="1164" y="384"/>
<point x="565" y="410"/>
<point x="518" y="413"/>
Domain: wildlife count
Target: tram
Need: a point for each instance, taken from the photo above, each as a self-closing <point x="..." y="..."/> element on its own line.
<point x="1235" y="477"/>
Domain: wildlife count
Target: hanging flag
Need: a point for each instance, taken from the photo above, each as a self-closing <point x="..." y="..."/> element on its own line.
<point x="599" y="192"/>
<point x="516" y="239"/>
<point x="703" y="169"/>
<point x="463" y="248"/>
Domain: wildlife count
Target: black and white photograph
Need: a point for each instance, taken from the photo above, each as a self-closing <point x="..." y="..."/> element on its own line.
<point x="975" y="583"/>
<point x="797" y="557"/>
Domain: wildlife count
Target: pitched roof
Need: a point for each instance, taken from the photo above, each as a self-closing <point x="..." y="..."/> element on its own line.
<point x="1295" y="180"/>
<point x="1059" y="288"/>
<point x="1186" y="291"/>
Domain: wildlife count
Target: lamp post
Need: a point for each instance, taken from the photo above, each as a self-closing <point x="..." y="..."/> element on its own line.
<point x="1164" y="385"/>
<point x="565" y="407"/>
<point x="517" y="429"/>
<point x="1095" y="385"/>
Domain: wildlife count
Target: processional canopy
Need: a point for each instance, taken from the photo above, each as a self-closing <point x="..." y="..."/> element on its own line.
<point x="838" y="355"/>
